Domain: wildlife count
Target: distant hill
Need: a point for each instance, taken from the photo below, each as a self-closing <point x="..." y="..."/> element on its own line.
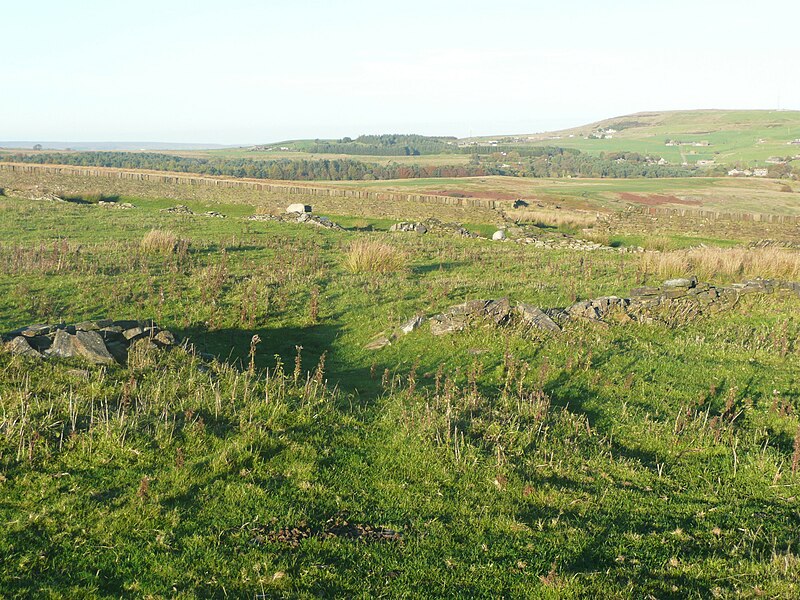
<point x="127" y="146"/>
<point x="724" y="136"/>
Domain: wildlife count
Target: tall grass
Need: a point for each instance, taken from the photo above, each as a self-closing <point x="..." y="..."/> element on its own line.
<point x="159" y="240"/>
<point x="542" y="218"/>
<point x="716" y="263"/>
<point x="373" y="256"/>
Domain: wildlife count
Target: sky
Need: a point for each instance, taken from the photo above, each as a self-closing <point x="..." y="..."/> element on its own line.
<point x="243" y="72"/>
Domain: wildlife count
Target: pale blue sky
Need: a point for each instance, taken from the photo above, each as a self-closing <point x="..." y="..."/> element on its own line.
<point x="241" y="71"/>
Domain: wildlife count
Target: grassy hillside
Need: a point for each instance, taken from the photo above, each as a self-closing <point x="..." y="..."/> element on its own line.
<point x="612" y="461"/>
<point x="750" y="136"/>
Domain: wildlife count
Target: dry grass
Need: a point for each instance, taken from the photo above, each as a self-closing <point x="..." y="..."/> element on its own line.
<point x="160" y="240"/>
<point x="373" y="256"/>
<point x="731" y="263"/>
<point x="543" y="218"/>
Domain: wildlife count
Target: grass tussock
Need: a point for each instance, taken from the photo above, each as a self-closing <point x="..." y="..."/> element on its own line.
<point x="543" y="218"/>
<point x="160" y="240"/>
<point x="373" y="256"/>
<point x="729" y="263"/>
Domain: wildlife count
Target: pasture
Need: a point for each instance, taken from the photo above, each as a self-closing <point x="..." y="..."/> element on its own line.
<point x="277" y="456"/>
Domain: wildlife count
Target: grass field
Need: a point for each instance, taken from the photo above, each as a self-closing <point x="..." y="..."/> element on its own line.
<point x="606" y="461"/>
<point x="748" y="136"/>
<point x="721" y="194"/>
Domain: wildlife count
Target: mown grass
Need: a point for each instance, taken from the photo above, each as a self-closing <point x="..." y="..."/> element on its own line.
<point x="624" y="461"/>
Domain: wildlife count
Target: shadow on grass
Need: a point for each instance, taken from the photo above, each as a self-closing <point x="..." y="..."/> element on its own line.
<point x="439" y="266"/>
<point x="285" y="343"/>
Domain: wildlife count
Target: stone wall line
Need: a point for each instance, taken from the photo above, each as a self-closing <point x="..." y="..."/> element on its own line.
<point x="191" y="179"/>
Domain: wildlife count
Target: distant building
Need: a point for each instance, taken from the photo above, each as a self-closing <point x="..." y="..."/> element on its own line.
<point x="775" y="160"/>
<point x="760" y="172"/>
<point x="705" y="163"/>
<point x="740" y="173"/>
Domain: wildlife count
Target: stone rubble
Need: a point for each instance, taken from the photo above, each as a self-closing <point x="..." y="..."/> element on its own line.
<point x="101" y="341"/>
<point x="181" y="209"/>
<point x="674" y="302"/>
<point x="119" y="205"/>
<point x="294" y="217"/>
<point x="409" y="227"/>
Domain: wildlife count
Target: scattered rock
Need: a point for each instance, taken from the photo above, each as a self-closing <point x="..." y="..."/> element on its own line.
<point x="318" y="221"/>
<point x="412" y="324"/>
<point x="214" y="214"/>
<point x="180" y="209"/>
<point x="499" y="235"/>
<point x="378" y="342"/>
<point x="411" y="227"/>
<point x="120" y="205"/>
<point x="674" y="302"/>
<point x="165" y="338"/>
<point x="101" y="341"/>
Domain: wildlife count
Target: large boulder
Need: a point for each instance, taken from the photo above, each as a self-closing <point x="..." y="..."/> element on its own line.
<point x="499" y="236"/>
<point x="298" y="208"/>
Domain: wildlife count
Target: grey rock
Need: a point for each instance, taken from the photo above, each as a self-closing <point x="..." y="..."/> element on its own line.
<point x="179" y="210"/>
<point x="34" y="330"/>
<point x="499" y="235"/>
<point x="378" y="342"/>
<point x="89" y="345"/>
<point x="444" y="324"/>
<point x="62" y="345"/>
<point x="498" y="311"/>
<point x="93" y="325"/>
<point x="535" y="317"/>
<point x="19" y="346"/>
<point x="298" y="208"/>
<point x="412" y="324"/>
<point x="679" y="283"/>
<point x="165" y="338"/>
<point x="645" y="291"/>
<point x="421" y="229"/>
<point x="134" y="333"/>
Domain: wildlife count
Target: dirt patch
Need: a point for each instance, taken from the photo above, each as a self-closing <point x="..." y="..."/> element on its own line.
<point x="333" y="528"/>
<point x="656" y="199"/>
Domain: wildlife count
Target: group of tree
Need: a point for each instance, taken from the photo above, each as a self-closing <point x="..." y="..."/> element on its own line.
<point x="542" y="162"/>
<point x="288" y="169"/>
<point x="384" y="145"/>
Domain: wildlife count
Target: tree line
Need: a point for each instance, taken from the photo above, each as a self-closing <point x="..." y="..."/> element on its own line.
<point x="546" y="162"/>
<point x="288" y="169"/>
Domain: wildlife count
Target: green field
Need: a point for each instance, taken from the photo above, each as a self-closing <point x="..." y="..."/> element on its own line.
<point x="615" y="461"/>
<point x="746" y="136"/>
